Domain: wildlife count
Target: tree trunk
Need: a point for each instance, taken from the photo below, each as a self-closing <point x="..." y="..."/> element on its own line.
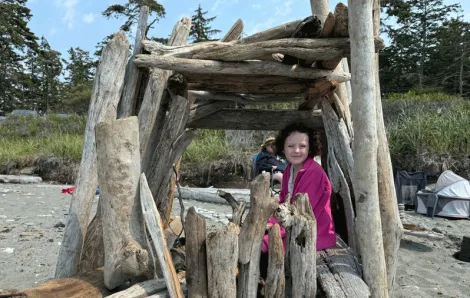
<point x="222" y="252"/>
<point x="127" y="105"/>
<point x="117" y="148"/>
<point x="368" y="223"/>
<point x="106" y="92"/>
<point x="196" y="257"/>
<point x="392" y="228"/>
<point x="251" y="235"/>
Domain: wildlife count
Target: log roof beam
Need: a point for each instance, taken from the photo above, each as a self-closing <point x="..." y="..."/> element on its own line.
<point x="256" y="119"/>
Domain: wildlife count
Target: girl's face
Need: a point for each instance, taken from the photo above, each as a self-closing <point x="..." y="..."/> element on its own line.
<point x="296" y="148"/>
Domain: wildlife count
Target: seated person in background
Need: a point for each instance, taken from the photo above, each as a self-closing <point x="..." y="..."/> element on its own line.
<point x="268" y="161"/>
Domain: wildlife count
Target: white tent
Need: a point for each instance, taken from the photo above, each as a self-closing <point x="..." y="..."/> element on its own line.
<point x="450" y="198"/>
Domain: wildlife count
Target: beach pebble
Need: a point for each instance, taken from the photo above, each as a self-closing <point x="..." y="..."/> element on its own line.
<point x="60" y="224"/>
<point x="8" y="250"/>
<point x="438" y="230"/>
<point x="3" y="216"/>
<point x="423" y="226"/>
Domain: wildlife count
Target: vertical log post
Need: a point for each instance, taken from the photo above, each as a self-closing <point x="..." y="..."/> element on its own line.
<point x="368" y="223"/>
<point x="117" y="148"/>
<point x="196" y="257"/>
<point x="251" y="235"/>
<point x="127" y="105"/>
<point x="392" y="228"/>
<point x="222" y="252"/>
<point x="107" y="87"/>
<point x="275" y="285"/>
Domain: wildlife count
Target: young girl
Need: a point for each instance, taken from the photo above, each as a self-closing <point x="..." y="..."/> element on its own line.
<point x="304" y="175"/>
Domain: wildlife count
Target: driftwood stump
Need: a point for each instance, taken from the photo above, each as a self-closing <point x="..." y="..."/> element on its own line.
<point x="117" y="147"/>
<point x="251" y="235"/>
<point x="196" y="257"/>
<point x="275" y="282"/>
<point x="222" y="252"/>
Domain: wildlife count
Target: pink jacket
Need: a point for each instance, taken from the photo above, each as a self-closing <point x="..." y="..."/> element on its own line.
<point x="312" y="180"/>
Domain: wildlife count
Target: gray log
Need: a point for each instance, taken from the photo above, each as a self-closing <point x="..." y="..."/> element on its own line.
<point x="154" y="226"/>
<point x="281" y="31"/>
<point x="142" y="289"/>
<point x="222" y="252"/>
<point x="196" y="257"/>
<point x="368" y="222"/>
<point x="107" y="88"/>
<point x="251" y="235"/>
<point x="243" y="98"/>
<point x="117" y="148"/>
<point x="239" y="68"/>
<point x="128" y="101"/>
<point x="234" y="32"/>
<point x="252" y="119"/>
<point x="276" y="281"/>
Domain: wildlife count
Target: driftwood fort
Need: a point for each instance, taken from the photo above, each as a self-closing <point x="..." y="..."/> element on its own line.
<point x="146" y="109"/>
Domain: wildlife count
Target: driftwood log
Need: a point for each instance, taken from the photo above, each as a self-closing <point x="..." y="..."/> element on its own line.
<point x="339" y="273"/>
<point x="278" y="32"/>
<point x="368" y="222"/>
<point x="253" y="119"/>
<point x="251" y="235"/>
<point x="238" y="68"/>
<point x="243" y="98"/>
<point x="275" y="284"/>
<point x="196" y="256"/>
<point x="142" y="289"/>
<point x="392" y="229"/>
<point x="300" y="48"/>
<point x="222" y="252"/>
<point x="127" y="104"/>
<point x="106" y="92"/>
<point x="154" y="226"/>
<point x="117" y="147"/>
<point x="238" y="208"/>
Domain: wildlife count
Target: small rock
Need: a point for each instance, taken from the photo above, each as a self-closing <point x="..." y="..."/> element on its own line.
<point x="423" y="226"/>
<point x="438" y="230"/>
<point x="59" y="225"/>
<point x="3" y="216"/>
<point x="8" y="250"/>
<point x="51" y="240"/>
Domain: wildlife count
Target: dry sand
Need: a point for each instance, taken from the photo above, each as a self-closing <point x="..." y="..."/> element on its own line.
<point x="31" y="231"/>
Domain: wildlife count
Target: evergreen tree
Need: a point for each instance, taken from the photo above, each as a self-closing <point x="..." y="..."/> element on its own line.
<point x="15" y="39"/>
<point x="413" y="41"/>
<point x="130" y="11"/>
<point x="200" y="28"/>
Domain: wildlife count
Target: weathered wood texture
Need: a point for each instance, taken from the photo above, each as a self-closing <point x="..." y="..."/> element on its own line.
<point x="238" y="68"/>
<point x="328" y="25"/>
<point x="243" y="98"/>
<point x="90" y="284"/>
<point x="93" y="248"/>
<point x="340" y="164"/>
<point x="252" y="119"/>
<point x="106" y="92"/>
<point x="142" y="289"/>
<point x="276" y="281"/>
<point x="252" y="233"/>
<point x="234" y="32"/>
<point x="152" y="100"/>
<point x="368" y="222"/>
<point x="302" y="249"/>
<point x="127" y="105"/>
<point x="196" y="257"/>
<point x="339" y="273"/>
<point x="205" y="108"/>
<point x="278" y="32"/>
<point x="222" y="256"/>
<point x="171" y="143"/>
<point x="238" y="208"/>
<point x="315" y="93"/>
<point x="154" y="227"/>
<point x="392" y="228"/>
<point x="117" y="148"/>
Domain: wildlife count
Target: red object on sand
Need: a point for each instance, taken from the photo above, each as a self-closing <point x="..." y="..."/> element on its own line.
<point x="68" y="190"/>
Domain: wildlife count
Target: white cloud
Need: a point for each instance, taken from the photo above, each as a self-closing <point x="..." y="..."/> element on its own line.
<point x="70" y="11"/>
<point x="89" y="18"/>
<point x="285" y="9"/>
<point x="52" y="32"/>
<point x="256" y="6"/>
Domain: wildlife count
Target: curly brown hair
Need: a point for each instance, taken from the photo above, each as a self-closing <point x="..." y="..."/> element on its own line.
<point x="314" y="143"/>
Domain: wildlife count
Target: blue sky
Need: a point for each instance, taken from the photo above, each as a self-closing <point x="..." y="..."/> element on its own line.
<point x="79" y="23"/>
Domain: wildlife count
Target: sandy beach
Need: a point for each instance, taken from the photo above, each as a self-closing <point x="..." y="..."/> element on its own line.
<point x="32" y="219"/>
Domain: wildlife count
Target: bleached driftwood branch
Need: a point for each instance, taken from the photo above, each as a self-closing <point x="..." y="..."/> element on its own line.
<point x="240" y="68"/>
